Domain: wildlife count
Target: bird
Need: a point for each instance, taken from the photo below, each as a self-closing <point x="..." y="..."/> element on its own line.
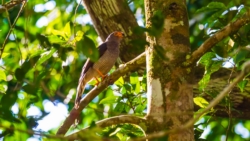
<point x="108" y="54"/>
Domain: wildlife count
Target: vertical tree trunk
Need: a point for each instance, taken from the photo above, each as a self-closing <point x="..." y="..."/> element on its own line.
<point x="169" y="84"/>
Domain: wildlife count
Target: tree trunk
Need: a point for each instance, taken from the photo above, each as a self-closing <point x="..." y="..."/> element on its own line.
<point x="169" y="84"/>
<point x="110" y="15"/>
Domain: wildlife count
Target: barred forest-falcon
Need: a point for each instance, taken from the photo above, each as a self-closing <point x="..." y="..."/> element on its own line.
<point x="108" y="54"/>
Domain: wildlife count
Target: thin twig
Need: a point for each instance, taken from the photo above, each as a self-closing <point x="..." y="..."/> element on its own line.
<point x="112" y="121"/>
<point x="11" y="28"/>
<point x="74" y="24"/>
<point x="229" y="106"/>
<point x="31" y="132"/>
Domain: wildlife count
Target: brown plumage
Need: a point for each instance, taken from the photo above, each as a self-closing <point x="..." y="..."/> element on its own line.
<point x="108" y="54"/>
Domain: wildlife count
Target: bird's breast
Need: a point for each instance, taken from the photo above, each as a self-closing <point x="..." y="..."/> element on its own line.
<point x="107" y="61"/>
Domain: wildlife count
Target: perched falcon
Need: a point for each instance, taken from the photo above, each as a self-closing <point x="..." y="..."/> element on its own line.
<point x="108" y="54"/>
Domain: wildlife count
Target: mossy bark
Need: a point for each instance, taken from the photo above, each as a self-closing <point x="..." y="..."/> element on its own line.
<point x="169" y="84"/>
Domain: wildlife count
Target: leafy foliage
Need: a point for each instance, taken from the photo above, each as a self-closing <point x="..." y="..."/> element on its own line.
<point x="45" y="52"/>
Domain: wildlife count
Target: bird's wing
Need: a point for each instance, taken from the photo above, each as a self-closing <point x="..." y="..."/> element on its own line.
<point x="82" y="82"/>
<point x="102" y="48"/>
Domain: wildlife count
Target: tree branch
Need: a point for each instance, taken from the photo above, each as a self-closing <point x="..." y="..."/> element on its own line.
<point x="31" y="132"/>
<point x="217" y="37"/>
<point x="112" y="121"/>
<point x="12" y="26"/>
<point x="244" y="72"/>
<point x="9" y="5"/>
<point x="130" y="66"/>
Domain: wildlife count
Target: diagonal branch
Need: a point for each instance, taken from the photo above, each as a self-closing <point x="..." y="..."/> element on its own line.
<point x="31" y="132"/>
<point x="217" y="37"/>
<point x="213" y="103"/>
<point x="9" y="5"/>
<point x="130" y="66"/>
<point x="113" y="121"/>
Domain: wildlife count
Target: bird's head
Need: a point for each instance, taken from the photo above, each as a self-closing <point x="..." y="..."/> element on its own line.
<point x="115" y="36"/>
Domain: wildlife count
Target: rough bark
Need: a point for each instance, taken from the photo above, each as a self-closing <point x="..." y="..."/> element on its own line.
<point x="110" y="15"/>
<point x="169" y="88"/>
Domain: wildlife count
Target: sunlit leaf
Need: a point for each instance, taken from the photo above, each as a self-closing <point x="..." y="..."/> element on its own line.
<point x="123" y="90"/>
<point x="2" y="89"/>
<point x="2" y="75"/>
<point x="55" y="39"/>
<point x="134" y="78"/>
<point x="67" y="30"/>
<point x="79" y="35"/>
<point x="45" y="56"/>
<point x="119" y="82"/>
<point x="201" y="102"/>
<point x="5" y="54"/>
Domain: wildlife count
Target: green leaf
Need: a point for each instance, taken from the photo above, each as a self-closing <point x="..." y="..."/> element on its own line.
<point x="119" y="107"/>
<point x="87" y="46"/>
<point x="109" y="100"/>
<point x="123" y="90"/>
<point x="58" y="33"/>
<point x="242" y="84"/>
<point x="119" y="82"/>
<point x="67" y="30"/>
<point x="45" y="56"/>
<point x="5" y="54"/>
<point x="241" y="56"/>
<point x="212" y="6"/>
<point x="2" y="89"/>
<point x="2" y="75"/>
<point x="30" y="89"/>
<point x="201" y="102"/>
<point x="140" y="108"/>
<point x="19" y="73"/>
<point x="211" y="66"/>
<point x="134" y="78"/>
<point x="204" y="81"/>
<point x="137" y="87"/>
<point x="222" y="48"/>
<point x="56" y="39"/>
<point x="207" y="58"/>
<point x="44" y="40"/>
<point x="79" y="35"/>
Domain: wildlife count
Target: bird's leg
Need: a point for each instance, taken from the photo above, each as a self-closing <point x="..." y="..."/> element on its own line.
<point x="100" y="73"/>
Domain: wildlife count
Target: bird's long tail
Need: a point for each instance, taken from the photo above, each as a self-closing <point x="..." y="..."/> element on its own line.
<point x="80" y="90"/>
